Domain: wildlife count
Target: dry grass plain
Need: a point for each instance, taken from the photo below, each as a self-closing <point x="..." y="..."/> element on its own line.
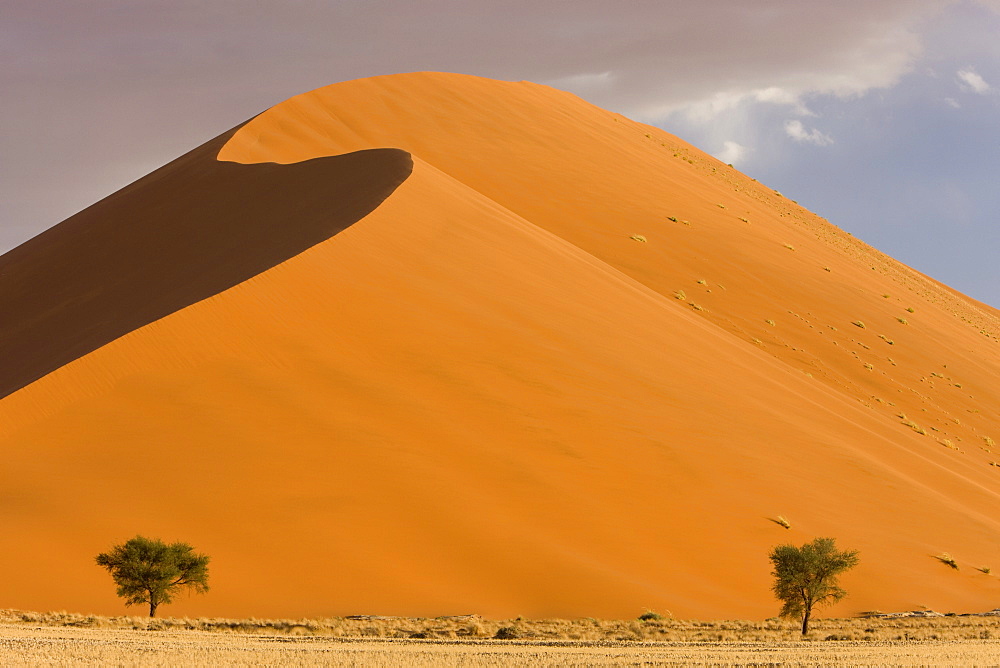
<point x="60" y="638"/>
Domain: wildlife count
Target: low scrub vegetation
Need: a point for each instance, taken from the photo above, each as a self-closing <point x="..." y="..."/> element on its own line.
<point x="873" y="627"/>
<point x="947" y="560"/>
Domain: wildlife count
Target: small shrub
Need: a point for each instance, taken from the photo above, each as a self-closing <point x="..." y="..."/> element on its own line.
<point x="650" y="616"/>
<point x="789" y="246"/>
<point x="770" y="322"/>
<point x="638" y="237"/>
<point x="781" y="521"/>
<point x="858" y="323"/>
<point x="680" y="295"/>
<point x="947" y="560"/>
<point x="507" y="633"/>
<point x="672" y="219"/>
<point x="984" y="569"/>
<point x="903" y="321"/>
<point x="909" y="309"/>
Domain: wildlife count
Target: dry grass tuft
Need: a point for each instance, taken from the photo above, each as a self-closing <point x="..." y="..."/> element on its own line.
<point x="781" y="521"/>
<point x="947" y="560"/>
<point x="650" y="626"/>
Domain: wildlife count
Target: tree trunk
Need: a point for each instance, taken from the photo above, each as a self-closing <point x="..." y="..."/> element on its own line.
<point x="805" y="620"/>
<point x="153" y="604"/>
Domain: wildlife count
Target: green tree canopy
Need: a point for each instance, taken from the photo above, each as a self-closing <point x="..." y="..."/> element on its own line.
<point x="807" y="575"/>
<point x="150" y="571"/>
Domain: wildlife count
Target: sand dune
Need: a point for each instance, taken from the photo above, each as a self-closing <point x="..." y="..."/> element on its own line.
<point x="186" y="232"/>
<point x="487" y="394"/>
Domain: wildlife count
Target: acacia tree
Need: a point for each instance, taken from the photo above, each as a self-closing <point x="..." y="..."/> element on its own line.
<point x="150" y="571"/>
<point x="807" y="575"/>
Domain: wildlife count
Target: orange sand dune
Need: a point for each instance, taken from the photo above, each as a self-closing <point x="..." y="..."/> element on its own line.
<point x="485" y="396"/>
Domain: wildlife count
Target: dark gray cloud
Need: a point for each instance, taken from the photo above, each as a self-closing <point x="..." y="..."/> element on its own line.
<point x="98" y="93"/>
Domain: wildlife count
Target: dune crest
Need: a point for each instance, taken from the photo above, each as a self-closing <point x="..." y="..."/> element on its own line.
<point x="184" y="233"/>
<point x="567" y="365"/>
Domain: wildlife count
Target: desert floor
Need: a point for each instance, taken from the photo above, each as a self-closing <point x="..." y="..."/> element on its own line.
<point x="61" y="639"/>
<point x="68" y="646"/>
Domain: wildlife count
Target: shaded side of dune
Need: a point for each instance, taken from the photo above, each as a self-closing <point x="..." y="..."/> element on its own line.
<point x="183" y="233"/>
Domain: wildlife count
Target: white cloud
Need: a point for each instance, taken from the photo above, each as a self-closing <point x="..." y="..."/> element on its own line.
<point x="798" y="132"/>
<point x="731" y="152"/>
<point x="776" y="95"/>
<point x="969" y="80"/>
<point x="670" y="57"/>
<point x="952" y="102"/>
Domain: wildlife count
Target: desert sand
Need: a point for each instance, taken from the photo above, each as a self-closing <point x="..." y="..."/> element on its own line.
<point x="432" y="344"/>
<point x="66" y="639"/>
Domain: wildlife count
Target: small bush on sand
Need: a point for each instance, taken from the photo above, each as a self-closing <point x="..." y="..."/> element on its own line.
<point x="947" y="560"/>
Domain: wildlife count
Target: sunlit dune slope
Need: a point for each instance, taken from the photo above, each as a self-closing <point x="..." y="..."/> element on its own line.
<point x="569" y="366"/>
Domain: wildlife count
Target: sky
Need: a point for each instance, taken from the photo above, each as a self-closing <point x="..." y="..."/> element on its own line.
<point x="883" y="117"/>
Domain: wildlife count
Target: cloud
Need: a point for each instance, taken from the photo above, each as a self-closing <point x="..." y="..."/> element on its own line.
<point x="952" y="102"/>
<point x="731" y="152"/>
<point x="969" y="80"/>
<point x="798" y="132"/>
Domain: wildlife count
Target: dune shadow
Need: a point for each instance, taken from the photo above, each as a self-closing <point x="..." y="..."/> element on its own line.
<point x="187" y="231"/>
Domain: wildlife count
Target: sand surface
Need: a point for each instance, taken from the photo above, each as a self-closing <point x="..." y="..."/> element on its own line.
<point x="68" y="647"/>
<point x="461" y="385"/>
